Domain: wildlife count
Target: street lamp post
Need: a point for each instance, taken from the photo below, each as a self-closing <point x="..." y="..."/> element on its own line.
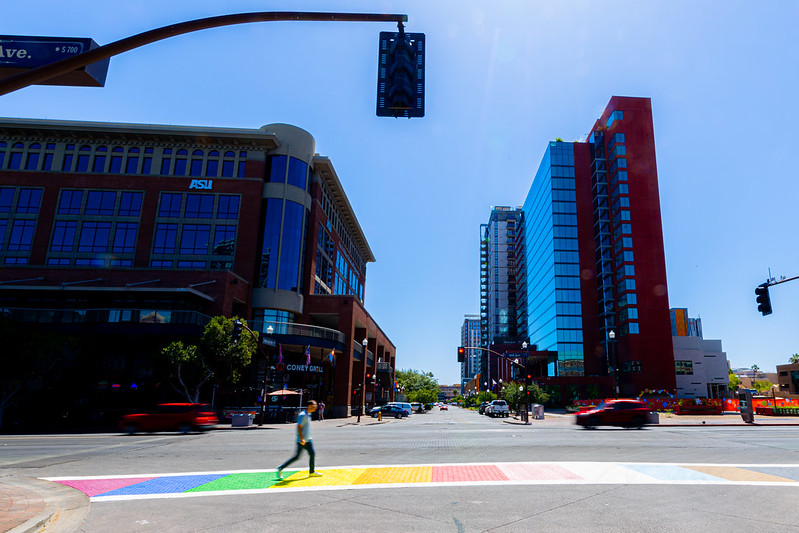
<point x="526" y="384"/>
<point x="269" y="331"/>
<point x="364" y="342"/>
<point x="614" y="365"/>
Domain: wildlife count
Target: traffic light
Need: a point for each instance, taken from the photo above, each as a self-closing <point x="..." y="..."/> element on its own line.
<point x="461" y="354"/>
<point x="235" y="335"/>
<point x="400" y="75"/>
<point x="763" y="299"/>
<point x="368" y="378"/>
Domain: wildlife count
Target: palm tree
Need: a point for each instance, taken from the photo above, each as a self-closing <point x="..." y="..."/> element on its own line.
<point x="794" y="358"/>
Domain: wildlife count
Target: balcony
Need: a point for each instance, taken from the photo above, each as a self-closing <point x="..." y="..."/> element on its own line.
<point x="300" y="330"/>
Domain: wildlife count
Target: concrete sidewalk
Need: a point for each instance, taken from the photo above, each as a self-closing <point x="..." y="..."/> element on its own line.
<point x="29" y="505"/>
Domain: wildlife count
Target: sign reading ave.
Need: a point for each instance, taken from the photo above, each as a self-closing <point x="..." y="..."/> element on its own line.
<point x="22" y="53"/>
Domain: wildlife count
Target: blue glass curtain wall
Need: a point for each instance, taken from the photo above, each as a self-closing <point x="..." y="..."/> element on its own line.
<point x="282" y="247"/>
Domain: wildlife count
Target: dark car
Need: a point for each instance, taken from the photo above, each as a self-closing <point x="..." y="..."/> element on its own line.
<point x="624" y="413"/>
<point x="482" y="408"/>
<point x="183" y="417"/>
<point x="389" y="410"/>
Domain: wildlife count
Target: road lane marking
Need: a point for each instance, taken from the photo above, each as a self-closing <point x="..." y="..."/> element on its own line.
<point x="193" y="484"/>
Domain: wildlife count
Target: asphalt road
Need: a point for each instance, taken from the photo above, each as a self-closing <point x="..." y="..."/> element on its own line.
<point x="436" y="438"/>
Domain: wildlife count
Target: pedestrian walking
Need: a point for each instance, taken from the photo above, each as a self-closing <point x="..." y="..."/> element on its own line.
<point x="303" y="441"/>
<point x="321" y="410"/>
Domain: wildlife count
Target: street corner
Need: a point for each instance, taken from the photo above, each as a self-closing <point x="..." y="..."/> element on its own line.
<point x="32" y="504"/>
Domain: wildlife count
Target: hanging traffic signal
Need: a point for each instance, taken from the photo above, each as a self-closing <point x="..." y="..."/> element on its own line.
<point x="461" y="354"/>
<point x="235" y="335"/>
<point x="400" y="74"/>
<point x="763" y="299"/>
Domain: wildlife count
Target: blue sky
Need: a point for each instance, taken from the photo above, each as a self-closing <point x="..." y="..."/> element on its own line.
<point x="503" y="78"/>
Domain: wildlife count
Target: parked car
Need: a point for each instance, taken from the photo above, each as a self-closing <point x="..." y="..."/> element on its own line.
<point x="406" y="406"/>
<point x="417" y="407"/>
<point x="388" y="410"/>
<point x="497" y="408"/>
<point x="482" y="408"/>
<point x="624" y="413"/>
<point x="183" y="417"/>
<point x="443" y="407"/>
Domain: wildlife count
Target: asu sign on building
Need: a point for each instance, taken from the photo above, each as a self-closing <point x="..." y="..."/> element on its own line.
<point x="19" y="53"/>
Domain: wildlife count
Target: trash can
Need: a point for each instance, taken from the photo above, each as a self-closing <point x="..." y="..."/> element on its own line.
<point x="241" y="420"/>
<point x="538" y="411"/>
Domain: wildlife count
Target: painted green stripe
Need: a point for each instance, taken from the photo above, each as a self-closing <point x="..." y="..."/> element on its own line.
<point x="254" y="480"/>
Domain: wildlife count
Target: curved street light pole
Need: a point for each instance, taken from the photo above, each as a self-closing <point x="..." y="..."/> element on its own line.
<point x="69" y="64"/>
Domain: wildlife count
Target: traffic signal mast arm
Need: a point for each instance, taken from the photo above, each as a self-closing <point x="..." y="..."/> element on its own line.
<point x="63" y="66"/>
<point x="763" y="298"/>
<point x="512" y="361"/>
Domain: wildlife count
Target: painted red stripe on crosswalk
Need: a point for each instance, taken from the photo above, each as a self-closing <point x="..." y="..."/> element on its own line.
<point x="93" y="487"/>
<point x="443" y="474"/>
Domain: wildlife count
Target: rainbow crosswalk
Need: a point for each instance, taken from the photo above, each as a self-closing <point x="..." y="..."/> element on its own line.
<point x="182" y="485"/>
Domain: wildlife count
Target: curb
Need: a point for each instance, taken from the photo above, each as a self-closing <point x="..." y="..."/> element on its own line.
<point x="64" y="511"/>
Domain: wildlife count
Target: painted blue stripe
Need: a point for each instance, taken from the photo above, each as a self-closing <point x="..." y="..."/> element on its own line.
<point x="165" y="485"/>
<point x="672" y="473"/>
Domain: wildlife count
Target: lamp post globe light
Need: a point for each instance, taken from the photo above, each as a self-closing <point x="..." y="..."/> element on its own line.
<point x="614" y="367"/>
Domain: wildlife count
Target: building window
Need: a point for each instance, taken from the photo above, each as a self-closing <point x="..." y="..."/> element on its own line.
<point x="180" y="163"/>
<point x="99" y="159"/>
<point x="130" y="204"/>
<point x="21" y="236"/>
<point x="132" y="164"/>
<point x="29" y="200"/>
<point x="157" y="263"/>
<point x="228" y="207"/>
<point x="166" y="236"/>
<point x="684" y="368"/>
<point x="64" y="236"/>
<point x="59" y="261"/>
<point x="633" y="367"/>
<point x="101" y="203"/>
<point x="94" y="237"/>
<point x="16" y="261"/>
<point x="125" y="238"/>
<point x="298" y="171"/>
<point x="166" y="162"/>
<point x="194" y="239"/>
<point x="83" y="159"/>
<point x="616" y="115"/>
<point x="199" y="206"/>
<point x="170" y="205"/>
<point x="224" y="240"/>
<point x="196" y="168"/>
<point x="6" y="199"/>
<point x="277" y="168"/>
<point x="192" y="264"/>
<point x="116" y="160"/>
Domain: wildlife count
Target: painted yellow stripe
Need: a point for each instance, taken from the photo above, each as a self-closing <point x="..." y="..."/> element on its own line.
<point x="346" y="476"/>
<point x="406" y="474"/>
<point x="738" y="474"/>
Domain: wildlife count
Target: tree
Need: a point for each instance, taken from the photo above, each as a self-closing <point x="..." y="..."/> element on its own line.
<point x="215" y="356"/>
<point x="511" y="394"/>
<point x="537" y="394"/>
<point x="794" y="358"/>
<point x="486" y="396"/>
<point x="762" y="386"/>
<point x="418" y="386"/>
<point x="755" y="368"/>
<point x="735" y="382"/>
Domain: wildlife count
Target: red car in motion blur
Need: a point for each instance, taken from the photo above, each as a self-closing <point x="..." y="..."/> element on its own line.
<point x="624" y="413"/>
<point x="183" y="417"/>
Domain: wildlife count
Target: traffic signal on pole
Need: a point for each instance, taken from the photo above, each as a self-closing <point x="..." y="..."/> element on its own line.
<point x="368" y="378"/>
<point x="400" y="74"/>
<point x="461" y="354"/>
<point x="235" y="335"/>
<point x="763" y="299"/>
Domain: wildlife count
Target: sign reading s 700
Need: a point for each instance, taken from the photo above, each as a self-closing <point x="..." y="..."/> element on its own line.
<point x="20" y="53"/>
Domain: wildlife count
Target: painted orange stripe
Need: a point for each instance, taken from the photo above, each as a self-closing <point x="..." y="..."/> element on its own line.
<point x="738" y="474"/>
<point x="402" y="474"/>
